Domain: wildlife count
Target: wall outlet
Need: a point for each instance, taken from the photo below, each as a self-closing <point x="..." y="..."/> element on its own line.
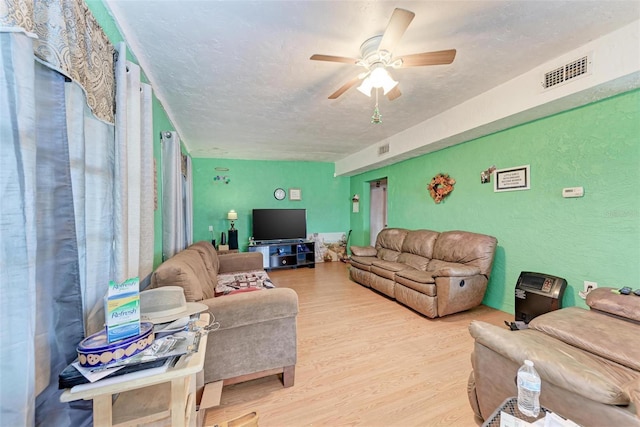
<point x="589" y="286"/>
<point x="211" y="228"/>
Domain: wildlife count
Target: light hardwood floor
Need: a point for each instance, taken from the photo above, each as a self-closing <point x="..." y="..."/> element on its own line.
<point x="363" y="359"/>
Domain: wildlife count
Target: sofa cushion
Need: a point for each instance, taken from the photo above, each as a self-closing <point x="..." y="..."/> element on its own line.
<point x="420" y="242"/>
<point x="612" y="338"/>
<point x="438" y="268"/>
<point x="363" y="262"/>
<point x="209" y="258"/>
<point x="612" y="302"/>
<point x="387" y="269"/>
<point x="391" y="239"/>
<point x="416" y="261"/>
<point x="388" y="255"/>
<point x="559" y="363"/>
<point x="184" y="269"/>
<point x="364" y="251"/>
<point x="466" y="248"/>
<point x="424" y="288"/>
<point x="416" y="276"/>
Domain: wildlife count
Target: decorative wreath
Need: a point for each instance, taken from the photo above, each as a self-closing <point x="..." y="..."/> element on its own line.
<point x="440" y="186"/>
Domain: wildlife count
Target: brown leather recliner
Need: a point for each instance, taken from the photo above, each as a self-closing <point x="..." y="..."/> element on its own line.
<point x="588" y="361"/>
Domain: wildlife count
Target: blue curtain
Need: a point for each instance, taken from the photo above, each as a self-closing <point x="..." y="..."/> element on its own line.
<point x="57" y="273"/>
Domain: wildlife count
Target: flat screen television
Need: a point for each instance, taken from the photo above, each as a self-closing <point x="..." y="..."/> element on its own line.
<point x="279" y="224"/>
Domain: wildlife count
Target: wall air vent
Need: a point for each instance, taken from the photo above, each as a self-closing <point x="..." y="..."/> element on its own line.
<point x="383" y="149"/>
<point x="567" y="72"/>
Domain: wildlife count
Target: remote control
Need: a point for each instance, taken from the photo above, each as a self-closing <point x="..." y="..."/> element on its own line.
<point x="625" y="291"/>
<point x="637" y="292"/>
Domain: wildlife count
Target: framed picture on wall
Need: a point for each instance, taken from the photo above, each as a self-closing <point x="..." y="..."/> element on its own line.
<point x="512" y="179"/>
<point x="295" y="194"/>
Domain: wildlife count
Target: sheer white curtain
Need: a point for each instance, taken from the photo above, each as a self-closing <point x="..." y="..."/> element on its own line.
<point x="176" y="197"/>
<point x="91" y="154"/>
<point x="133" y="219"/>
<point x="188" y="201"/>
<point x="147" y="180"/>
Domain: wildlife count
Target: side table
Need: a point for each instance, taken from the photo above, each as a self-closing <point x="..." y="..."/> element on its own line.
<point x="144" y="399"/>
<point x="510" y="406"/>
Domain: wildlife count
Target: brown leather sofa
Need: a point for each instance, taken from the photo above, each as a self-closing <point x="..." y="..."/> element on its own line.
<point x="257" y="334"/>
<point x="433" y="273"/>
<point x="588" y="360"/>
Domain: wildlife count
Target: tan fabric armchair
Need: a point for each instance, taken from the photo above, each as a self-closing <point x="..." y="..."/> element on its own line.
<point x="434" y="273"/>
<point x="257" y="334"/>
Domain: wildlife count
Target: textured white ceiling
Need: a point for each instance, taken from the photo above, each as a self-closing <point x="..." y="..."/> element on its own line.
<point x="236" y="80"/>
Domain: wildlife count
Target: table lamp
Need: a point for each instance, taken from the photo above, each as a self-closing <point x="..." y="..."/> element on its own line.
<point x="233" y="233"/>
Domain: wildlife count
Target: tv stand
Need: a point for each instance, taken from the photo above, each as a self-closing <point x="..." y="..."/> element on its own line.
<point x="286" y="254"/>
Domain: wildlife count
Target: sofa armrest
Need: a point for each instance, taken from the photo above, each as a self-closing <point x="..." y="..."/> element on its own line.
<point x="242" y="261"/>
<point x="460" y="270"/>
<point x="242" y="309"/>
<point x="364" y="251"/>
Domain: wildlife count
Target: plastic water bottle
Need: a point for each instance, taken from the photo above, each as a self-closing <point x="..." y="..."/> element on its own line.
<point x="528" y="390"/>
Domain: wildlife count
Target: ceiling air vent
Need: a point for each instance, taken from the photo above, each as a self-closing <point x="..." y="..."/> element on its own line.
<point x="567" y="72"/>
<point x="383" y="149"/>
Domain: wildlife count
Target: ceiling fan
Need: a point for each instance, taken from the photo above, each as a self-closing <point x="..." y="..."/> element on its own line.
<point x="377" y="56"/>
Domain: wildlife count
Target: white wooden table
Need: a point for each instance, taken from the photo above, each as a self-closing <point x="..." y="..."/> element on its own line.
<point x="169" y="395"/>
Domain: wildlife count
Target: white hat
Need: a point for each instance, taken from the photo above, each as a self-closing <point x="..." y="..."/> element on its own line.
<point x="165" y="304"/>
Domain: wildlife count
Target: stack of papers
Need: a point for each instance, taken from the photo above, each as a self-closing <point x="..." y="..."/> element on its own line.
<point x="549" y="420"/>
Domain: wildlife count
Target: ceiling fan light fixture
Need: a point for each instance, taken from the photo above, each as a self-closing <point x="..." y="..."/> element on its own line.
<point x="378" y="78"/>
<point x="366" y="86"/>
<point x="388" y="85"/>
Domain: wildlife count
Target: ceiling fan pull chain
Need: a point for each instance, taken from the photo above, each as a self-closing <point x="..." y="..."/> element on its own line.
<point x="377" y="117"/>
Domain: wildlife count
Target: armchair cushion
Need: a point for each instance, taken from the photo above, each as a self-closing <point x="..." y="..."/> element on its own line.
<point x="594" y="332"/>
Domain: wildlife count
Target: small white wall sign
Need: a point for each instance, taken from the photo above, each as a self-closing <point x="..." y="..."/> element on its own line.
<point x="512" y="179"/>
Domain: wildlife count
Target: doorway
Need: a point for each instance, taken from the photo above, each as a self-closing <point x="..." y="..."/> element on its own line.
<point x="377" y="208"/>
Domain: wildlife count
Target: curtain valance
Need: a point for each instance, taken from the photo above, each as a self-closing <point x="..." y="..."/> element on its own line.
<point x="70" y="41"/>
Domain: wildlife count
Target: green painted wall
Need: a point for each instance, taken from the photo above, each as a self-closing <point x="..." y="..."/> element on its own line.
<point x="161" y="120"/>
<point x="251" y="185"/>
<point x="596" y="237"/>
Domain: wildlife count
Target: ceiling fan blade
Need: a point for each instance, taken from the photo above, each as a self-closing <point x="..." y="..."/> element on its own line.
<point x="396" y="27"/>
<point x="394" y="93"/>
<point x="428" y="58"/>
<point x="331" y="58"/>
<point x="345" y="87"/>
